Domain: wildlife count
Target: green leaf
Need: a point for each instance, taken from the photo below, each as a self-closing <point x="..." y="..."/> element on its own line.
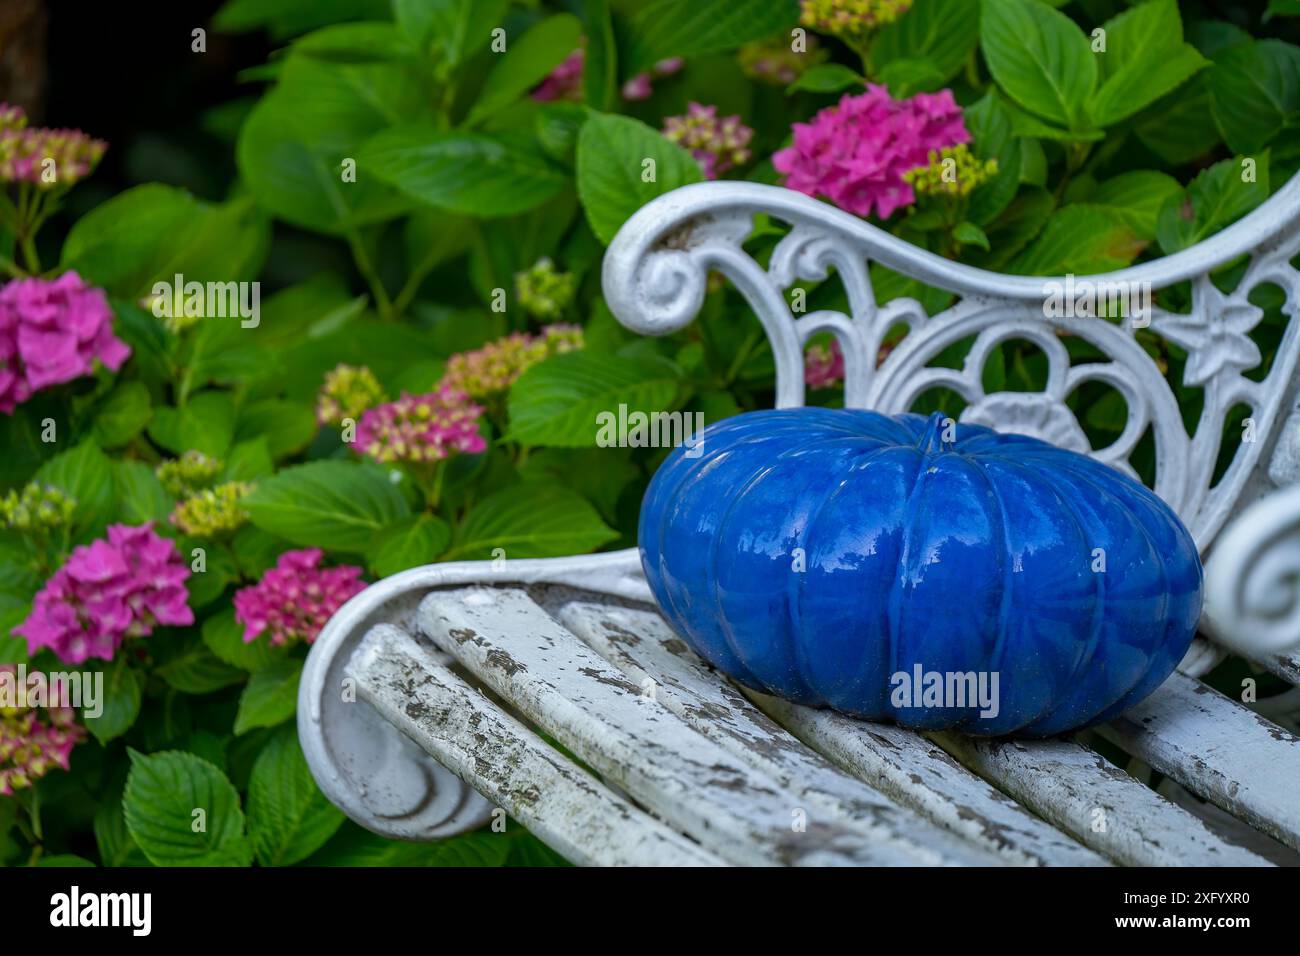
<point x="193" y="669"/>
<point x="221" y="351"/>
<point x="123" y="415"/>
<point x="218" y="571"/>
<point x="286" y="18"/>
<point x="120" y="706"/>
<point x="208" y="745"/>
<point x="86" y="475"/>
<point x="989" y="123"/>
<point x="557" y="126"/>
<point x="182" y="811"/>
<point x="1014" y="228"/>
<point x="356" y="43"/>
<point x="206" y="423"/>
<point x="906" y="77"/>
<point x="150" y="233"/>
<point x="255" y="550"/>
<point x="1027" y="126"/>
<point x="941" y="32"/>
<point x="286" y="427"/>
<point x="116" y="846"/>
<point x="507" y="246"/>
<point x="1254" y="90"/>
<point x="1033" y="163"/>
<point x="249" y="460"/>
<point x="593" y="473"/>
<point x="670" y="28"/>
<point x="1145" y="58"/>
<point x="327" y="504"/>
<point x="1174" y="128"/>
<point x="408" y="544"/>
<point x="13" y="611"/>
<point x="1039" y="58"/>
<point x="454" y="28"/>
<point x="600" y="65"/>
<point x="1216" y="198"/>
<point x="224" y="637"/>
<point x="1109" y="413"/>
<point x="530" y="521"/>
<point x="1137" y="198"/>
<point x="353" y="846"/>
<point x="292" y="146"/>
<point x="1080" y="240"/>
<point x="565" y="400"/>
<point x="387" y="348"/>
<point x="526" y="63"/>
<point x="612" y="155"/>
<point x="307" y="310"/>
<point x="151" y="343"/>
<point x="469" y="173"/>
<point x="969" y="234"/>
<point x="432" y="237"/>
<point x="289" y="819"/>
<point x="271" y="696"/>
<point x="827" y="78"/>
<point x="142" y="496"/>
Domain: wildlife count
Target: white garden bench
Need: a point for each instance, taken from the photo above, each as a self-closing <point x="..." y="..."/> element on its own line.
<point x="447" y="691"/>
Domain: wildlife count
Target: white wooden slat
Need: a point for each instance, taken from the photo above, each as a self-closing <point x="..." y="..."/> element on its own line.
<point x="507" y="641"/>
<point x="1103" y="806"/>
<point x="643" y="645"/>
<point x="1220" y="750"/>
<point x="918" y="774"/>
<point x="638" y="642"/>
<point x="1062" y="784"/>
<point x="542" y="789"/>
<point x="1224" y="823"/>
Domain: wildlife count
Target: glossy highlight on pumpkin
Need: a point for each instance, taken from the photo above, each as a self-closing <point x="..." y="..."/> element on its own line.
<point x="817" y="553"/>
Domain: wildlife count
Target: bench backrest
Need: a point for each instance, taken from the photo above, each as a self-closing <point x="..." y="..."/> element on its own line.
<point x="655" y="278"/>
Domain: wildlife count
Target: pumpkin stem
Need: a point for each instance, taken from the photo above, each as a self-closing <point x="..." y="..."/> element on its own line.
<point x="932" y="439"/>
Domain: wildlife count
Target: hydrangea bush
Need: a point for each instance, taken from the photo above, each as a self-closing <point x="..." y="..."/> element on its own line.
<point x="195" y="479"/>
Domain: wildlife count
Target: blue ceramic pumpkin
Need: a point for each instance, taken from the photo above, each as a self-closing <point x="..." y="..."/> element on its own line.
<point x="994" y="584"/>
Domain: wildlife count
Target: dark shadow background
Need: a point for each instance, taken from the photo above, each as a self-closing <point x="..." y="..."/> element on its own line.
<point x="125" y="72"/>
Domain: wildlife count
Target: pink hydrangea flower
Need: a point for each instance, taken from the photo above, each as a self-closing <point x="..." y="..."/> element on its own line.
<point x="52" y="331"/>
<point x="117" y="587"/>
<point x="25" y="152"/>
<point x="492" y="369"/>
<point x="823" y="365"/>
<point x="855" y="153"/>
<point x="421" y="427"/>
<point x="295" y="599"/>
<point x="717" y="143"/>
<point x="34" y="740"/>
<point x="565" y="81"/>
<point x="640" y="87"/>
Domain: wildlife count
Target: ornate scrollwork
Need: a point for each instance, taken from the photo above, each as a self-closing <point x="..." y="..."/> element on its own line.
<point x="654" y="282"/>
<point x="1253" y="579"/>
<point x="363" y="763"/>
